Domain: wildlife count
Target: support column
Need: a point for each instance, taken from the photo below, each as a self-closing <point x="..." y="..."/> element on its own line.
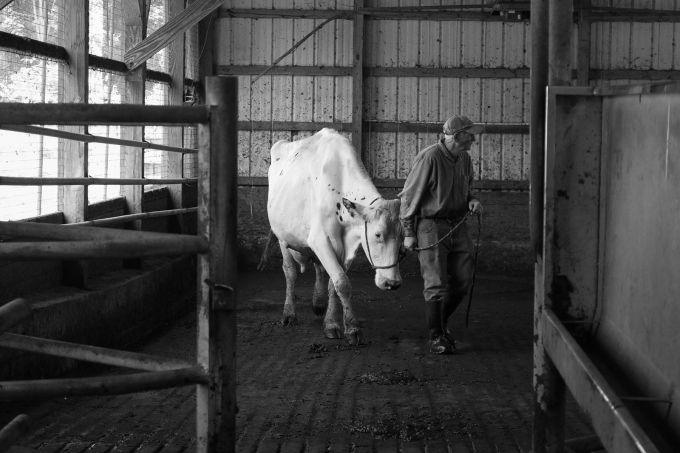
<point x="358" y="82"/>
<point x="73" y="154"/>
<point x="217" y="269"/>
<point x="175" y="161"/>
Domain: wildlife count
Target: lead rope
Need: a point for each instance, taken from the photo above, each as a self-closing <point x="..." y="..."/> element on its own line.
<point x="474" y="269"/>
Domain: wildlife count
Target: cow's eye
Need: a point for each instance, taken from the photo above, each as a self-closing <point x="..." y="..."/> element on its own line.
<point x="378" y="235"/>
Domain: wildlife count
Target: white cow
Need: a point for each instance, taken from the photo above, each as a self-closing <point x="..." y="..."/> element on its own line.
<point x="322" y="205"/>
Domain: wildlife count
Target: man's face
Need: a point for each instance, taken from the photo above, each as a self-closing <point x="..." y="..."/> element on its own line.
<point x="464" y="140"/>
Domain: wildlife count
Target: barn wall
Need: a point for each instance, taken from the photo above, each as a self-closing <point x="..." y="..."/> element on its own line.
<point x="388" y="44"/>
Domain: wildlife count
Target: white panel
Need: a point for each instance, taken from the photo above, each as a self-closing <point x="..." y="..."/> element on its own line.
<point x="343" y="43"/>
<point x="620" y="45"/>
<point x="493" y="44"/>
<point x="662" y="53"/>
<point x="428" y="103"/>
<point x="324" y="42"/>
<point x="244" y="153"/>
<point x="244" y="98"/>
<point x="324" y="94"/>
<point x="471" y="44"/>
<point x="261" y="99"/>
<point x="512" y="155"/>
<point x="261" y="143"/>
<point x="513" y="45"/>
<point x="641" y="46"/>
<point x="408" y="43"/>
<point x="429" y="44"/>
<point x="304" y="4"/>
<point x="262" y="35"/>
<point x="450" y="98"/>
<point x="470" y="98"/>
<point x="282" y="36"/>
<point x="303" y="94"/>
<point x="325" y="4"/>
<point x="407" y="148"/>
<point x="241" y="43"/>
<point x="407" y="99"/>
<point x="526" y="158"/>
<point x="304" y="54"/>
<point x="343" y="99"/>
<point x="384" y="149"/>
<point x="382" y="43"/>
<point x="452" y="45"/>
<point x="282" y="94"/>
<point x="490" y="149"/>
<point x="383" y="99"/>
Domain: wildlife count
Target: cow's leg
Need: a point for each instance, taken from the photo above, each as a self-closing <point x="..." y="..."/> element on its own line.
<point x="319" y="304"/>
<point x="290" y="271"/>
<point x="332" y="322"/>
<point x="342" y="287"/>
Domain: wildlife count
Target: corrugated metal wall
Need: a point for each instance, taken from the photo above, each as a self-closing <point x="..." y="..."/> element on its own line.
<point x="499" y="95"/>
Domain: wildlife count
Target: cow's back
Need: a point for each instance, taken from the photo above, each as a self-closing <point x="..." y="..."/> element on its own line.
<point x="303" y="184"/>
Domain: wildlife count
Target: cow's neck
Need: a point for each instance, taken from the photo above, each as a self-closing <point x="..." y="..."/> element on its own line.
<point x="357" y="185"/>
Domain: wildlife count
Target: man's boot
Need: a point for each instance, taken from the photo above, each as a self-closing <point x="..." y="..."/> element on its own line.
<point x="438" y="342"/>
<point x="448" y="306"/>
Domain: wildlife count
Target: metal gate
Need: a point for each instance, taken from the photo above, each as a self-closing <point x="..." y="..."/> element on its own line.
<point x="213" y="373"/>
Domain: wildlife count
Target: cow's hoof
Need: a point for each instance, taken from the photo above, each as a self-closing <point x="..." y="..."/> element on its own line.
<point x="355" y="337"/>
<point x="319" y="310"/>
<point x="334" y="333"/>
<point x="289" y="320"/>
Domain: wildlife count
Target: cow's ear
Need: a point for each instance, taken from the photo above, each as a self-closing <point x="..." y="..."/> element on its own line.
<point x="354" y="209"/>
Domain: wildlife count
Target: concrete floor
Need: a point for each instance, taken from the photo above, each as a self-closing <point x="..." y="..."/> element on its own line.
<point x="300" y="392"/>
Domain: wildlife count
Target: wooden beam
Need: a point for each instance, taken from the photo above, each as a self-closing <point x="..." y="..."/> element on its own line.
<point x="83" y="181"/>
<point x="375" y="126"/>
<point x="484" y="184"/>
<point x="142" y="51"/>
<point x="32" y="46"/>
<point x="358" y="82"/>
<point x="14" y="430"/>
<point x="123" y="114"/>
<point x="437" y="13"/>
<point x="342" y="71"/>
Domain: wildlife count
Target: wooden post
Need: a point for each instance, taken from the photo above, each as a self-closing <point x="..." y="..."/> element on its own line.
<point x="217" y="203"/>
<point x="132" y="159"/>
<point x="358" y="82"/>
<point x="206" y="59"/>
<point x="176" y="134"/>
<point x="583" y="55"/>
<point x="73" y="154"/>
<point x="549" y="387"/>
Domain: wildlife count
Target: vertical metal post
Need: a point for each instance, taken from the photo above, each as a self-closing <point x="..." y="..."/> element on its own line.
<point x="217" y="271"/>
<point x="358" y="82"/>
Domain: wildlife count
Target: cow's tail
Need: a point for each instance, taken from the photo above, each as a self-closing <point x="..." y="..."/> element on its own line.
<point x="265" y="253"/>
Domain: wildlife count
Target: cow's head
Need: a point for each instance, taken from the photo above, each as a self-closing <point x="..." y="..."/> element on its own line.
<point x="381" y="238"/>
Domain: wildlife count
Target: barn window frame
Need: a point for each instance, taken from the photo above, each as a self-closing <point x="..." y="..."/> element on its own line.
<point x="171" y="77"/>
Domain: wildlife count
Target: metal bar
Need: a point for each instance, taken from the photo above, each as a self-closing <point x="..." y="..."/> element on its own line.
<point x="130" y="217"/>
<point x="21" y="181"/>
<point x="80" y="233"/>
<point x="358" y="37"/>
<point x="101" y="385"/>
<point x="13" y="312"/>
<point x="13" y="431"/>
<point x="611" y="420"/>
<point x="95" y="138"/>
<point x="91" y="353"/>
<point x="65" y="250"/>
<point x="124" y="114"/>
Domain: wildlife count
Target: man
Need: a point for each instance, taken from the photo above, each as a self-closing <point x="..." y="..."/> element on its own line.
<point x="435" y="198"/>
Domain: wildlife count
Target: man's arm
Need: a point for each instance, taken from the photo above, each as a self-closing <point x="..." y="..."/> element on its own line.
<point x="412" y="194"/>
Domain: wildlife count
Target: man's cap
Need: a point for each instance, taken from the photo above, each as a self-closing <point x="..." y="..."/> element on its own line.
<point x="461" y="123"/>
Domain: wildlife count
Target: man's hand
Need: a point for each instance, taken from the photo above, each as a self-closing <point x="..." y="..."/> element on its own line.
<point x="475" y="206"/>
<point x="410" y="243"/>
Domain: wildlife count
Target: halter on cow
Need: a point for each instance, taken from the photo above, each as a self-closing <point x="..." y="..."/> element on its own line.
<point x="319" y="208"/>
